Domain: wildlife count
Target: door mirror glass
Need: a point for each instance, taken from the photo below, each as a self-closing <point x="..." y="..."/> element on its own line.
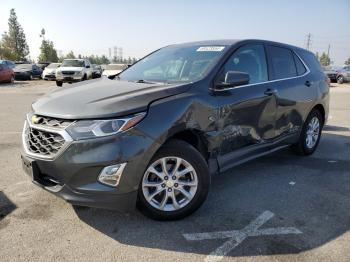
<point x="87" y="66"/>
<point x="234" y="78"/>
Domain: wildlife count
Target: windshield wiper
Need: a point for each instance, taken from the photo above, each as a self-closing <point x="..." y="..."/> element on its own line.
<point x="143" y="81"/>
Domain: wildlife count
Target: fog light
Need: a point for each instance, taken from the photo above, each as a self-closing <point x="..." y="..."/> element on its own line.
<point x="110" y="175"/>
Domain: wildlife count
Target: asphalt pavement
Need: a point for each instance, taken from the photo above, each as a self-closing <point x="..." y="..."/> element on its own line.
<point x="281" y="207"/>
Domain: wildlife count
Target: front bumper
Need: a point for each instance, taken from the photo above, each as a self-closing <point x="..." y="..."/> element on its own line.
<point x="49" y="76"/>
<point x="69" y="78"/>
<point x="22" y="76"/>
<point x="73" y="175"/>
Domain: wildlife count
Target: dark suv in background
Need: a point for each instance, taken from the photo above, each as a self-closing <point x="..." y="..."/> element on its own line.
<point x="155" y="134"/>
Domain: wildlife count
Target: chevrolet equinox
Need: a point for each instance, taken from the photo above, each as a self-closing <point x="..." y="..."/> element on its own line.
<point x="154" y="135"/>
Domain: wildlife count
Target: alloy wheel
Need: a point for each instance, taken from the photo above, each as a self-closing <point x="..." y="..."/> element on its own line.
<point x="169" y="183"/>
<point x="313" y="132"/>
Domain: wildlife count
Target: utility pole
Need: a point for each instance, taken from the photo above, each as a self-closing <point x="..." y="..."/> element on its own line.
<point x="308" y="41"/>
<point x="329" y="59"/>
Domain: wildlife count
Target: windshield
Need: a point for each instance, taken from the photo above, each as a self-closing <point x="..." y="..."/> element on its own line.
<point x="175" y="64"/>
<point x="24" y="66"/>
<point x="73" y="63"/>
<point x="53" y="65"/>
<point x="115" y="67"/>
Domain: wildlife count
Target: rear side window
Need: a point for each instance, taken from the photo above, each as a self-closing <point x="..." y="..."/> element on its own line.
<point x="311" y="61"/>
<point x="282" y="62"/>
<point x="300" y="66"/>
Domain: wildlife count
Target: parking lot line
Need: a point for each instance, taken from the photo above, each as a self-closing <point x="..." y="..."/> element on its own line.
<point x="236" y="237"/>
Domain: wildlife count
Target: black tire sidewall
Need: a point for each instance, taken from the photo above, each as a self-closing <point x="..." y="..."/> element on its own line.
<point x="340" y="80"/>
<point x="184" y="150"/>
<point x="305" y="148"/>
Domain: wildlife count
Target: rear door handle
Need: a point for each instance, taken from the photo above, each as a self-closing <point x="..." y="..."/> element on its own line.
<point x="270" y="92"/>
<point x="308" y="83"/>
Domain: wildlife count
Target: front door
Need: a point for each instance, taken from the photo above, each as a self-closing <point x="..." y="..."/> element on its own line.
<point x="246" y="113"/>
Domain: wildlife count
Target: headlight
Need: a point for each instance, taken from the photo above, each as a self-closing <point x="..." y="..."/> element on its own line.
<point x="58" y="73"/>
<point x="85" y="129"/>
<point x="78" y="73"/>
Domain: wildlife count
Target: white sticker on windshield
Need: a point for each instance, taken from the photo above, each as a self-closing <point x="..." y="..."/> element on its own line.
<point x="210" y="49"/>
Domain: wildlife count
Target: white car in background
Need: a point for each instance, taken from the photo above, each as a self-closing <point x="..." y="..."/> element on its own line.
<point x="113" y="69"/>
<point x="49" y="72"/>
<point x="73" y="70"/>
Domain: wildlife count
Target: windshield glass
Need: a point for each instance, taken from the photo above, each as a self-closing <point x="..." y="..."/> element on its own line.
<point x="53" y="65"/>
<point x="115" y="67"/>
<point x="24" y="66"/>
<point x="175" y="64"/>
<point x="73" y="63"/>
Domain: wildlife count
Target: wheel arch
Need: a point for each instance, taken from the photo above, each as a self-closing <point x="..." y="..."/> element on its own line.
<point x="193" y="137"/>
<point x="321" y="109"/>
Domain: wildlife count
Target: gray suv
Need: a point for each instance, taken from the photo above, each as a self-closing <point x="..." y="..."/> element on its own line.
<point x="156" y="134"/>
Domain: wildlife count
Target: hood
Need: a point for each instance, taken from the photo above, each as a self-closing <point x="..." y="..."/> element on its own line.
<point x="102" y="98"/>
<point x="50" y="70"/>
<point x="70" y="68"/>
<point x="21" y="70"/>
<point x="111" y="72"/>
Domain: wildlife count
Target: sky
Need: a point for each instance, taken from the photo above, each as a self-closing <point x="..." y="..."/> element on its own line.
<point x="91" y="27"/>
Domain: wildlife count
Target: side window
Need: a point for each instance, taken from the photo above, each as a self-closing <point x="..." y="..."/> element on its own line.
<point x="249" y="59"/>
<point x="282" y="62"/>
<point x="300" y="66"/>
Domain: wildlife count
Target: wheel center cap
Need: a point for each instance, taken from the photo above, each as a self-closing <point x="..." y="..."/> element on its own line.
<point x="169" y="183"/>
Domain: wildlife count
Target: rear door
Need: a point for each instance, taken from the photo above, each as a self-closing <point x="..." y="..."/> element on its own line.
<point x="246" y="113"/>
<point x="295" y="90"/>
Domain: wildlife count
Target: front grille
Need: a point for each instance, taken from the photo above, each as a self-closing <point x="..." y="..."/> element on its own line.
<point x="45" y="121"/>
<point x="43" y="143"/>
<point x="68" y="72"/>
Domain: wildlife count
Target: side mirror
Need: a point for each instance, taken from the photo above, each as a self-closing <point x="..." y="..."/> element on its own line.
<point x="234" y="78"/>
<point x="87" y="66"/>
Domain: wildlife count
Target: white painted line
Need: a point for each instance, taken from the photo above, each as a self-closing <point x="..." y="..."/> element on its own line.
<point x="236" y="237"/>
<point x="332" y="161"/>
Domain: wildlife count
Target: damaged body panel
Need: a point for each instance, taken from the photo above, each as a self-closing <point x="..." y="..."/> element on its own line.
<point x="228" y="101"/>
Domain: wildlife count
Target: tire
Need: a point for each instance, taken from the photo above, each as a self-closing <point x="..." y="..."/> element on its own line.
<point x="173" y="152"/>
<point x="12" y="79"/>
<point x="84" y="78"/>
<point x="59" y="83"/>
<point x="340" y="79"/>
<point x="305" y="146"/>
<point x="30" y="77"/>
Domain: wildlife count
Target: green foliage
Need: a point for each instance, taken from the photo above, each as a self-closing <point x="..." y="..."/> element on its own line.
<point x="347" y="62"/>
<point x="99" y="60"/>
<point x="324" y="59"/>
<point x="14" y="45"/>
<point x="70" y="55"/>
<point x="48" y="52"/>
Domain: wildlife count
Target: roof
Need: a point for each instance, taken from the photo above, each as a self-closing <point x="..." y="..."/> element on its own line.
<point x="231" y="42"/>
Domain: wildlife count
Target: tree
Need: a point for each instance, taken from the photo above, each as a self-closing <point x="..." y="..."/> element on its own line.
<point x="347" y="62"/>
<point x="70" y="55"/>
<point x="14" y="41"/>
<point x="47" y="51"/>
<point x="317" y="56"/>
<point x="324" y="59"/>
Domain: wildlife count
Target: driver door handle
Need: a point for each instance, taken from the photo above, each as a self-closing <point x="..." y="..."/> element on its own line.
<point x="270" y="91"/>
